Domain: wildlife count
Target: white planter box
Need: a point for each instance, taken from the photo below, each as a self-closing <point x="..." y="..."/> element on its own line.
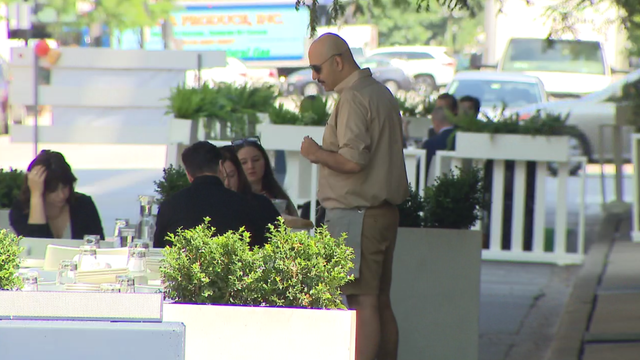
<point x="185" y="131"/>
<point x="266" y="333"/>
<point x="4" y="219"/>
<point x="175" y="131"/>
<point x="95" y="340"/>
<point x="512" y="147"/>
<point x="64" y="305"/>
<point x="418" y="126"/>
<point x="436" y="293"/>
<point x="287" y="137"/>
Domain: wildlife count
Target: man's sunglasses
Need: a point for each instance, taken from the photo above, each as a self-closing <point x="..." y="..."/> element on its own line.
<point x="252" y="139"/>
<point x="318" y="68"/>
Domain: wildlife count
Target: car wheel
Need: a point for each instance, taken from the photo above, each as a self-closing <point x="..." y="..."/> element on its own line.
<point x="392" y="86"/>
<point x="311" y="89"/>
<point x="578" y="146"/>
<point x="425" y="85"/>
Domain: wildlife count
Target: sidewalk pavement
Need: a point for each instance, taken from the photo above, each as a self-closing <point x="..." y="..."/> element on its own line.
<point x="601" y="319"/>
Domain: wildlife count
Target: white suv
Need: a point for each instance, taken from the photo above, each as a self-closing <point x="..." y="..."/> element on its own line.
<point x="429" y="66"/>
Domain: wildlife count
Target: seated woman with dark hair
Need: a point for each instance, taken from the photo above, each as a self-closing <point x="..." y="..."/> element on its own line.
<point x="257" y="167"/>
<point x="236" y="180"/>
<point x="49" y="207"/>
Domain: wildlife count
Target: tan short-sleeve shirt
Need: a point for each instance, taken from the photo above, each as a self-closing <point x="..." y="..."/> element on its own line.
<point x="366" y="128"/>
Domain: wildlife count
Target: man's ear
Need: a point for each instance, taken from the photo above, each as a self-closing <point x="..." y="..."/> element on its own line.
<point x="339" y="62"/>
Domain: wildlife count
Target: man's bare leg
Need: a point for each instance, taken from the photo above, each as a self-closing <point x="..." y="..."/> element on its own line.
<point x="388" y="349"/>
<point x="367" y="325"/>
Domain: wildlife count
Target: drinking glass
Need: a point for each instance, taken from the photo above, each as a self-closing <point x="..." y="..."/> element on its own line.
<point x="110" y="288"/>
<point x="66" y="272"/>
<point x="127" y="284"/>
<point x="29" y="280"/>
<point x="88" y="257"/>
<point x="92" y="240"/>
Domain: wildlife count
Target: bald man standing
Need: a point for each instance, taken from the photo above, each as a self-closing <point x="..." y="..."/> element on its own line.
<point x="362" y="179"/>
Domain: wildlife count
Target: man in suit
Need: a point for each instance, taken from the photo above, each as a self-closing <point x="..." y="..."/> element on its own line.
<point x="443" y="130"/>
<point x="448" y="102"/>
<point x="207" y="197"/>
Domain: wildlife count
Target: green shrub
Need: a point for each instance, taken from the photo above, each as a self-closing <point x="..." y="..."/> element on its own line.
<point x="9" y="261"/>
<point x="300" y="270"/>
<point x="538" y="124"/>
<point x="185" y="103"/>
<point x="282" y="116"/>
<point x="314" y="111"/>
<point x="173" y="180"/>
<point x="11" y="183"/>
<point x="293" y="269"/>
<point x="454" y="201"/>
<point x="202" y="267"/>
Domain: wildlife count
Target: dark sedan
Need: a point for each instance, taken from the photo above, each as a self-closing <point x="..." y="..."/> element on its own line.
<point x="302" y="83"/>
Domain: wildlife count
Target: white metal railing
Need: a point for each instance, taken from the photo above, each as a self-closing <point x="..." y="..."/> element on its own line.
<point x="494" y="250"/>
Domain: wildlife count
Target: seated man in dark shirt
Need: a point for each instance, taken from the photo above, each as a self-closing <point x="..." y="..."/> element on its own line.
<point x="443" y="129"/>
<point x="208" y="197"/>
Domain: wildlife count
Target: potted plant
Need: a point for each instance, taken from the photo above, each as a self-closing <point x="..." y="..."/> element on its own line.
<point x="186" y="105"/>
<point x="9" y="261"/>
<point x="249" y="102"/>
<point x="173" y="180"/>
<point x="11" y="183"/>
<point x="545" y="137"/>
<point x="436" y="271"/>
<point x="279" y="288"/>
<point x="233" y="111"/>
<point x="287" y="128"/>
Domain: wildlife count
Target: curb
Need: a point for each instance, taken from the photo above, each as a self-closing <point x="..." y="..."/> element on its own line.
<point x="567" y="344"/>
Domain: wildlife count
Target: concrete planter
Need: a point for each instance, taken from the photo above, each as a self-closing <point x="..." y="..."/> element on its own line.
<point x="176" y="131"/>
<point x="4" y="219"/>
<point x="512" y="147"/>
<point x="217" y="332"/>
<point x="436" y="293"/>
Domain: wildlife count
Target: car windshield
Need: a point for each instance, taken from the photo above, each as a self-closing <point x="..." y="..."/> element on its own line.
<point x="497" y="93"/>
<point x="571" y="56"/>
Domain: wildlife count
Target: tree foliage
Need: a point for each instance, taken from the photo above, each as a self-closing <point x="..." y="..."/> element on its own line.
<point x="118" y="15"/>
<point x="564" y="15"/>
<point x="400" y="23"/>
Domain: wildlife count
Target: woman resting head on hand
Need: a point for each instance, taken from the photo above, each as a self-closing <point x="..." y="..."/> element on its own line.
<point x="49" y="207"/>
<point x="257" y="167"/>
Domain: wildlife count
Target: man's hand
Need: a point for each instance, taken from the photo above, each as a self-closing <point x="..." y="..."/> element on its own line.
<point x="310" y="149"/>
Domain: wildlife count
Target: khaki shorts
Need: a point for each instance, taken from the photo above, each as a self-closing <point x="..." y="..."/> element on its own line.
<point x="379" y="232"/>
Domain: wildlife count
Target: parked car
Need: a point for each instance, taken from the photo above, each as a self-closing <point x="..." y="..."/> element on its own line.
<point x="568" y="68"/>
<point x="498" y="91"/>
<point x="301" y="82"/>
<point x="429" y="66"/>
<point x="589" y="113"/>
